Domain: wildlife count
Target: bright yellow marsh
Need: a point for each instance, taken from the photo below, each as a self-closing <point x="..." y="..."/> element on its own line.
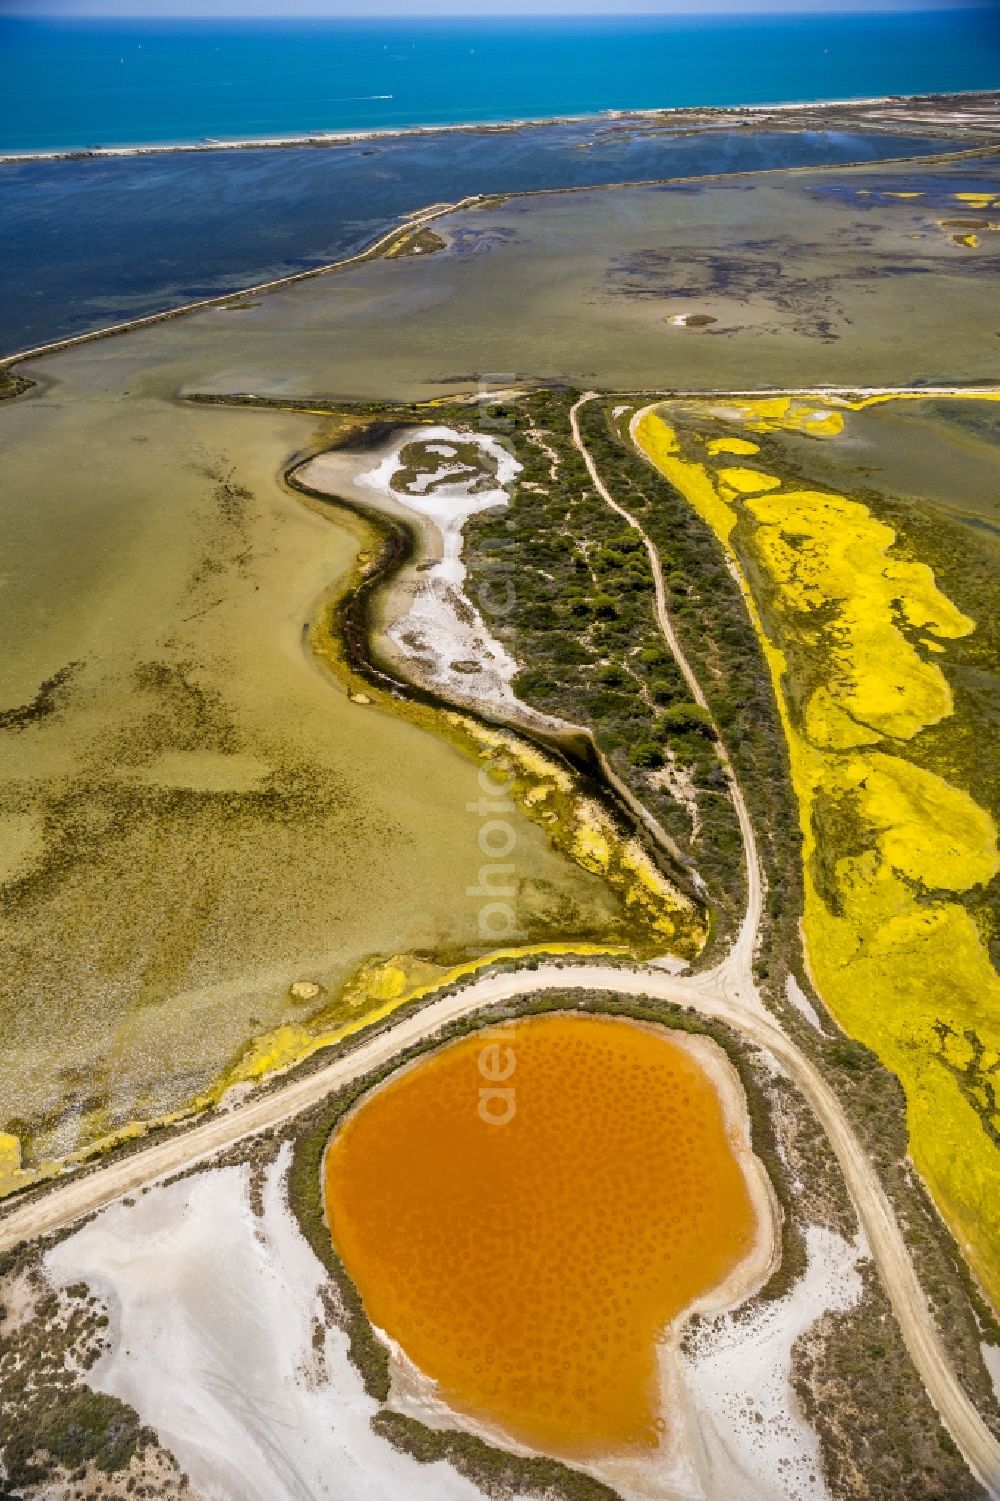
<point x="854" y="635"/>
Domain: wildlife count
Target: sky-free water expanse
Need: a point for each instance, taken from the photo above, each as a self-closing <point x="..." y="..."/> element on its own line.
<point x="88" y="243"/>
<point x="120" y="82"/>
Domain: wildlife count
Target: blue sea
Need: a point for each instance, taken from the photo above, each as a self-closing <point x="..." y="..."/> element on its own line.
<point x="85" y="243"/>
<point x="75" y="84"/>
<point x="92" y="242"/>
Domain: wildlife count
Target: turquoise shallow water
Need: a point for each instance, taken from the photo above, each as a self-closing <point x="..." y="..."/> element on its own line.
<point x="112" y="83"/>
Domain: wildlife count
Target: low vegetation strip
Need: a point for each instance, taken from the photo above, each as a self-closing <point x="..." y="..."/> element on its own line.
<point x="585" y="634"/>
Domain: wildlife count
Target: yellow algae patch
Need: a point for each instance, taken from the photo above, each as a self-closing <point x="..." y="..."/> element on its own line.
<point x="896" y="966"/>
<point x="592" y="848"/>
<point x="888" y="845"/>
<point x="528" y="1209"/>
<point x="929" y="831"/>
<point x="660" y="443"/>
<point x="374" y="993"/>
<point x="977" y="200"/>
<point x="823" y="552"/>
<point x="579" y="827"/>
<point x="768" y="414"/>
<point x="10" y="1155"/>
<point x="732" y="445"/>
<point x="890" y="194"/>
<point x="748" y="481"/>
<point x="971" y="241"/>
<point x="12" y="1175"/>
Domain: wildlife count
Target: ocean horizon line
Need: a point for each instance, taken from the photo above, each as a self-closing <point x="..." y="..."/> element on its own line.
<point x="104" y="85"/>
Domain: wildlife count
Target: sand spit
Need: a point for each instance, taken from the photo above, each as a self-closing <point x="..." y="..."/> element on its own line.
<point x="890" y="109"/>
<point x="214" y="1319"/>
<point x="986" y="147"/>
<point x="430" y="626"/>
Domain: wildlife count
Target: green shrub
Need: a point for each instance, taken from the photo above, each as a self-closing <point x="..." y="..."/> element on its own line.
<point x="646" y="753"/>
<point x="689" y="716"/>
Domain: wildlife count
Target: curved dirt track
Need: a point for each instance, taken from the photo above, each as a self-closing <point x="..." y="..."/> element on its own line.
<point x="706" y="993"/>
<point x="737" y="968"/>
<point x="726" y="993"/>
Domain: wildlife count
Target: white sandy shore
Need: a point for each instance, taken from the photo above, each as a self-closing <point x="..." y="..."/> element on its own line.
<point x="711" y="112"/>
<point x="212" y="1319"/>
<point x="798" y="998"/>
<point x="213" y="1316"/>
<point x="755" y="1441"/>
<point x="430" y="624"/>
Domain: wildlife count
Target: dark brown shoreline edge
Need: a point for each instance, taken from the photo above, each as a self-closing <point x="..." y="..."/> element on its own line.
<point x="869" y="1093"/>
<point x="497" y="1471"/>
<point x="353" y="615"/>
<point x="418" y="218"/>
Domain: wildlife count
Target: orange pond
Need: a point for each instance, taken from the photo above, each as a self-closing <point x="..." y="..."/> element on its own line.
<point x="529" y="1267"/>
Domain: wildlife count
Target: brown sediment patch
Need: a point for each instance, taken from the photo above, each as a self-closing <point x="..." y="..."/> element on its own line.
<point x="528" y="1251"/>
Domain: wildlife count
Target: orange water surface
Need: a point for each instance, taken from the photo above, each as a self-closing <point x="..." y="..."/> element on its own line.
<point x="529" y="1267"/>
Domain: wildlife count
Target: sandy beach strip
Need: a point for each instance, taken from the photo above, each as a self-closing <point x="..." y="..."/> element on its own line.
<point x="714" y="116"/>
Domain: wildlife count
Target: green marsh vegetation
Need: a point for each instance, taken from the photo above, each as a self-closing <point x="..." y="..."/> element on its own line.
<point x="422" y="241"/>
<point x="714" y="628"/>
<point x="584" y="630"/>
<point x="12" y="384"/>
<point x="425" y="467"/>
<point x="51" y="1422"/>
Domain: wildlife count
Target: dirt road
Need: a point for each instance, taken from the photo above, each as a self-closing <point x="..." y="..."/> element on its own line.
<point x="736" y="970"/>
<point x="726" y="993"/>
<point x="708" y="994"/>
